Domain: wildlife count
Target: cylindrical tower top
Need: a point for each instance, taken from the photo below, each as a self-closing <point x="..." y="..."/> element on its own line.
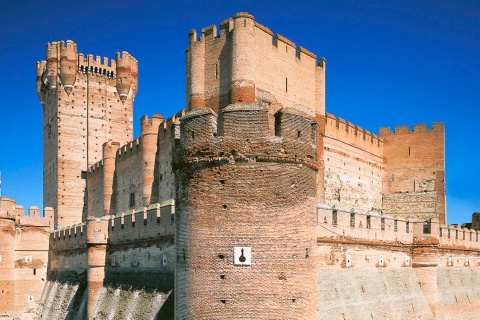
<point x="243" y="82"/>
<point x="127" y="75"/>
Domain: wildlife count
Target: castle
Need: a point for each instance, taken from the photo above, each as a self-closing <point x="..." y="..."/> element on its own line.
<point x="251" y="203"/>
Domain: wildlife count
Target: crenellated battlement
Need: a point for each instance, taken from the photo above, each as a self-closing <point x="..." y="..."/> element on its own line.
<point x="129" y="149"/>
<point x="9" y="209"/>
<point x="347" y="132"/>
<point x="150" y="126"/>
<point x="247" y="136"/>
<point x="417" y="128"/>
<point x="455" y="236"/>
<point x="156" y="220"/>
<point x="338" y="223"/>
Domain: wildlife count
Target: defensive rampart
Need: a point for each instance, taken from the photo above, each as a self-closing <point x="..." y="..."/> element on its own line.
<point x="107" y="255"/>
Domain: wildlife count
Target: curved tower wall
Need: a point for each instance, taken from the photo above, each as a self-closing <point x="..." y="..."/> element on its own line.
<point x="248" y="194"/>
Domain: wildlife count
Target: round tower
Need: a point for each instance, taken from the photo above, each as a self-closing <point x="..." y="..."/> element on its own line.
<point x="97" y="230"/>
<point x="127" y="75"/>
<point x="245" y="216"/>
<point x="68" y="64"/>
<point x="243" y="85"/>
<point x="109" y="156"/>
<point x="149" y="136"/>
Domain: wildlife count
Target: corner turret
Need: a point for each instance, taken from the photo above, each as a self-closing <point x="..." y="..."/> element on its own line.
<point x="41" y="65"/>
<point x="127" y="75"/>
<point x="68" y="64"/>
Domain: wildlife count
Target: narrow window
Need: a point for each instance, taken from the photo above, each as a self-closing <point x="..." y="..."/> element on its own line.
<point x="193" y="135"/>
<point x="334" y="217"/>
<point x="395" y="225"/>
<point x="216" y="70"/>
<point x="132" y="200"/>
<point x="408" y="150"/>
<point x="352" y="219"/>
<point x="441" y="233"/>
<point x="407" y="227"/>
<point x="34" y="271"/>
<point x="382" y="224"/>
<point x="299" y="134"/>
<point x="133" y="224"/>
<point x="286" y="84"/>
<point x="368" y="222"/>
<point x="476" y="237"/>
<point x="456" y="234"/>
<point x="448" y="233"/>
<point x="314" y="132"/>
<point x="393" y="178"/>
<point x="427" y="227"/>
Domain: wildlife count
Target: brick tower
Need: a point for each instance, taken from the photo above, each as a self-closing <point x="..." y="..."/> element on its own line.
<point x="86" y="102"/>
<point x="246" y="176"/>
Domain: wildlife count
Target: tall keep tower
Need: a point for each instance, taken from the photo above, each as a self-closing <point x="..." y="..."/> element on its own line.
<point x="246" y="171"/>
<point x="86" y="102"/>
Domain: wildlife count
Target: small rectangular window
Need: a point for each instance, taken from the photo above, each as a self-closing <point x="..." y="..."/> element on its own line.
<point x="334" y="217"/>
<point x="407" y="227"/>
<point x="132" y="200"/>
<point x="382" y="224"/>
<point x="352" y="219"/>
<point x="395" y="225"/>
<point x="368" y="222"/>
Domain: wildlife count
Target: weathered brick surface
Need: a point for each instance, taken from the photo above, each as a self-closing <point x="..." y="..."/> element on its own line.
<point x="353" y="166"/>
<point x="222" y="183"/>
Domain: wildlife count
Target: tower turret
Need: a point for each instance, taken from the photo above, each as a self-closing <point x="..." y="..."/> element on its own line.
<point x="127" y="75"/>
<point x="68" y="64"/>
<point x="243" y="59"/>
<point x="52" y="65"/>
<point x="195" y="72"/>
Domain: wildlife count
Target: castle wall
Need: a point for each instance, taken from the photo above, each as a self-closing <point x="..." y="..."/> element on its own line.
<point x="353" y="166"/>
<point x="414" y="176"/>
<point x="129" y="183"/>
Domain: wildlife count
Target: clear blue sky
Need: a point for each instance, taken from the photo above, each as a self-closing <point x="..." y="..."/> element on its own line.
<point x="389" y="63"/>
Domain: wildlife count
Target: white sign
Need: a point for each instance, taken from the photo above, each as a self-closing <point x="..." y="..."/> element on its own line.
<point x="242" y="256"/>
